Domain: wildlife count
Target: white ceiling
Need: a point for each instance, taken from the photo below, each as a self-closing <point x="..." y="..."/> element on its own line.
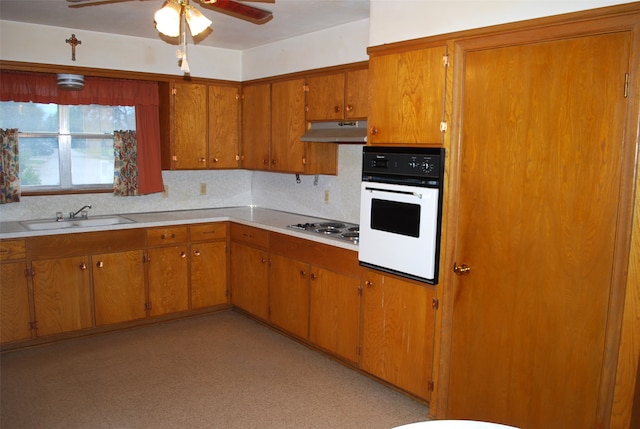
<point x="135" y="18"/>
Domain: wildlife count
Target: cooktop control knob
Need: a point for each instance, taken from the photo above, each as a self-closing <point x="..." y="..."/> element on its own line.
<point x="427" y="166"/>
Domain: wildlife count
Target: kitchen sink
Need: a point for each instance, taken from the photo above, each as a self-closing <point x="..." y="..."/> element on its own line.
<point x="38" y="225"/>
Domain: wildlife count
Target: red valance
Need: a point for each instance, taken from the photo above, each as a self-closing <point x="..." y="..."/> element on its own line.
<point x="43" y="88"/>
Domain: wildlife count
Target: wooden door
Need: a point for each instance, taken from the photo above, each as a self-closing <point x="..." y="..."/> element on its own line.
<point x="287" y="126"/>
<point x="356" y="94"/>
<point x="118" y="287"/>
<point x="208" y="274"/>
<point x="397" y="332"/>
<point x="325" y="97"/>
<point x="224" y="127"/>
<point x="62" y="295"/>
<point x="256" y="127"/>
<point x="334" y="314"/>
<point x="168" y="280"/>
<point x="289" y="294"/>
<point x="190" y="132"/>
<point x="406" y="97"/>
<point x="539" y="178"/>
<point x="14" y="302"/>
<point x="249" y="279"/>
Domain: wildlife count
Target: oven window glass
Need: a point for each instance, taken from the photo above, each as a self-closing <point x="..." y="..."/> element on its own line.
<point x="395" y="217"/>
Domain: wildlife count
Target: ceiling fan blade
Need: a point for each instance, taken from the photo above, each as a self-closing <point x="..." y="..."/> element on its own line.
<point x="84" y="3"/>
<point x="239" y="10"/>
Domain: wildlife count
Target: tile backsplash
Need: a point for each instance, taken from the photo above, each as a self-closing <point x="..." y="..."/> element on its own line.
<point x="332" y="197"/>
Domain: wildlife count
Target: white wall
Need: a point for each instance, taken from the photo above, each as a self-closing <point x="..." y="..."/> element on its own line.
<point x="397" y="20"/>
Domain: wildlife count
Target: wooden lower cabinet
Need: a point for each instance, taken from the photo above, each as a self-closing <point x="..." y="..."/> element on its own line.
<point x="119" y="287"/>
<point x="168" y="279"/>
<point x="249" y="279"/>
<point x="397" y="332"/>
<point x="15" y="316"/>
<point x="62" y="294"/>
<point x="289" y="294"/>
<point x="209" y="274"/>
<point x="334" y="312"/>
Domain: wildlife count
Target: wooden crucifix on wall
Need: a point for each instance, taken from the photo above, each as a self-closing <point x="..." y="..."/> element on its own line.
<point x="73" y="42"/>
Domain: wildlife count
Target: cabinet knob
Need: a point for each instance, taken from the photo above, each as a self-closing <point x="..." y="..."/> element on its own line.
<point x="349" y="108"/>
<point x="273" y="162"/>
<point x="83" y="266"/>
<point x="263" y="260"/>
<point x="99" y="264"/>
<point x="303" y="273"/>
<point x="216" y="160"/>
<point x="202" y="159"/>
<point x="196" y="253"/>
<point x="336" y="109"/>
<point x="313" y="276"/>
<point x="374" y="131"/>
<point x="162" y="237"/>
<point x="183" y="255"/>
<point x="368" y="283"/>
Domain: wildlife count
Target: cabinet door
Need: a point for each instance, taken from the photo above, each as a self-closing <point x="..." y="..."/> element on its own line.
<point x="289" y="295"/>
<point x="208" y="274"/>
<point x="256" y="127"/>
<point x="168" y="279"/>
<point x="224" y="127"/>
<point x="14" y="302"/>
<point x="406" y="97"/>
<point x="287" y="126"/>
<point x="62" y="295"/>
<point x="334" y="312"/>
<point x="190" y="126"/>
<point x="398" y="329"/>
<point x="356" y="94"/>
<point x="249" y="279"/>
<point x="325" y="97"/>
<point x="118" y="287"/>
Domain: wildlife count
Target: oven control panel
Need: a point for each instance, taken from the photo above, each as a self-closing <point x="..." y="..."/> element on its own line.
<point x="413" y="162"/>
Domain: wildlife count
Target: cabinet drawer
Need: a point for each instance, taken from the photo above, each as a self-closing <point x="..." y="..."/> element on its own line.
<point x="248" y="234"/>
<point x="209" y="231"/>
<point x="166" y="236"/>
<point x="11" y="250"/>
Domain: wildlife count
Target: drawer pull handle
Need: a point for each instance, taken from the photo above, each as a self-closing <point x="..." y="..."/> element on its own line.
<point x="100" y="264"/>
<point x="183" y="254"/>
<point x="196" y="252"/>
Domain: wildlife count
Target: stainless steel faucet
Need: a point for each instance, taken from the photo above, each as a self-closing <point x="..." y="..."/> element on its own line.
<point x="84" y="214"/>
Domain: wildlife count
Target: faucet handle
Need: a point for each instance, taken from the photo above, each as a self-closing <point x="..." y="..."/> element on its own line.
<point x="59" y="216"/>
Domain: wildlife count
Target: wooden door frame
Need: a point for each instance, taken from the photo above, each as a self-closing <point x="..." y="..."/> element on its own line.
<point x="624" y="18"/>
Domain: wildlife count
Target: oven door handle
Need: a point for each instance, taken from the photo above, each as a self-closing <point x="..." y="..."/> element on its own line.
<point x="391" y="191"/>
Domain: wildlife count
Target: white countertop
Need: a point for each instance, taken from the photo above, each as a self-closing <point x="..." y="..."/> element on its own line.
<point x="272" y="220"/>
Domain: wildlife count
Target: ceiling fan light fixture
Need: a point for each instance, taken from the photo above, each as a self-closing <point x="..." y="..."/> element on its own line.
<point x="168" y="19"/>
<point x="196" y="20"/>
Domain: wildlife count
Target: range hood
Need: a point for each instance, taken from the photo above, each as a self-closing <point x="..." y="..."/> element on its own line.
<point x="336" y="132"/>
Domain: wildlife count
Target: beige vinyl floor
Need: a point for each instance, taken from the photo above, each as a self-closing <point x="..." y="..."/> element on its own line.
<point x="220" y="370"/>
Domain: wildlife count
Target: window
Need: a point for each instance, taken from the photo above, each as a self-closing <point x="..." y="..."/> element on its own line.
<point x="66" y="147"/>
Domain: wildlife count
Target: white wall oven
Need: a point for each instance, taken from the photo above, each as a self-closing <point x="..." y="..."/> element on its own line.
<point x="400" y="210"/>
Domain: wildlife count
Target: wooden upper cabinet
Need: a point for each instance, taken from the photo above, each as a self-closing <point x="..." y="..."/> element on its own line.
<point x="205" y="126"/>
<point x="407" y="93"/>
<point x="337" y="96"/>
<point x="190" y="126"/>
<point x="256" y="127"/>
<point x="287" y="126"/>
<point x="224" y="127"/>
<point x="325" y="97"/>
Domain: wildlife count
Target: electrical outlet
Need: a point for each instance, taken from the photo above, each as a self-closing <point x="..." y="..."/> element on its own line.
<point x="326" y="196"/>
<point x="203" y="189"/>
<point x="165" y="193"/>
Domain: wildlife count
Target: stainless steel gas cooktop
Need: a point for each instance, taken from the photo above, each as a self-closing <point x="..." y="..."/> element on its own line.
<point x="341" y="230"/>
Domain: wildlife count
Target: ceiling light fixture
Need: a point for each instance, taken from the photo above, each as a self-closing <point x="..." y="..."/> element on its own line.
<point x="170" y="21"/>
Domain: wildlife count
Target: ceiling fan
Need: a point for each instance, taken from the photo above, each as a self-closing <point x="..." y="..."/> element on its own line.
<point x="228" y="7"/>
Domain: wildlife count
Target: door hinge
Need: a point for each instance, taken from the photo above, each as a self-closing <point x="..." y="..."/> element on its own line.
<point x="305" y="88"/>
<point x="626" y="85"/>
<point x="33" y="325"/>
<point x="435" y="303"/>
<point x="147" y="306"/>
<point x="445" y="60"/>
<point x="358" y="350"/>
<point x="174" y="91"/>
<point x="431" y="386"/>
<point x="304" y="161"/>
<point x="29" y="272"/>
<point x="360" y="290"/>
